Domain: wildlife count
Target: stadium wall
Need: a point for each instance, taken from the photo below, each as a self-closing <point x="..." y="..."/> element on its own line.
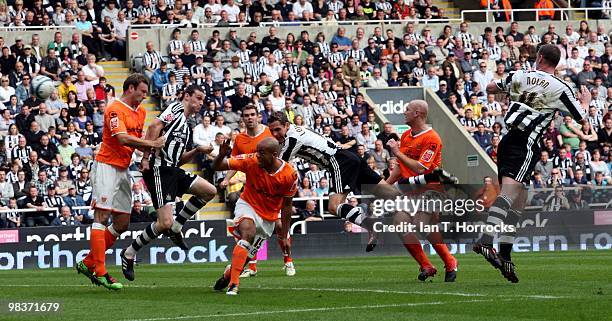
<point x="61" y="247"/>
<point x="461" y="155"/>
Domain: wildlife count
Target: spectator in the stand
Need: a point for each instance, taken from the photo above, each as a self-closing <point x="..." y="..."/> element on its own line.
<point x="63" y="183"/>
<point x="36" y="202"/>
<point x="22" y="151"/>
<point x="13" y="218"/>
<point x="139" y="215"/>
<point x="310" y="212"/>
<point x="21" y="186"/>
<point x="6" y="188"/>
<point x="160" y="77"/>
<point x="52" y="200"/>
<point x="544" y="166"/>
<point x="346" y="141"/>
<point x="66" y="218"/>
<point x="482" y="137"/>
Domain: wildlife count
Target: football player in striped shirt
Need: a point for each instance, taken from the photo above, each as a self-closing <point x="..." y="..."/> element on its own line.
<point x="166" y="180"/>
<point x="535" y="96"/>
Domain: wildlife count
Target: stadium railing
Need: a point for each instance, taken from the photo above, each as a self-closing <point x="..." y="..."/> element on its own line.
<point x="487" y="12"/>
<point x="45" y="209"/>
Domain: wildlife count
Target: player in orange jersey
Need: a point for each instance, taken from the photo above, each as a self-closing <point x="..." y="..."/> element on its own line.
<point x="418" y="154"/>
<point x="246" y="143"/>
<point x="123" y="123"/>
<point x="270" y="186"/>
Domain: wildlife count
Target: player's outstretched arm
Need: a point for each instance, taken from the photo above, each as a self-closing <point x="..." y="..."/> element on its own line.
<point x="188" y="156"/>
<point x="153" y="131"/>
<point x="131" y="141"/>
<point x="219" y="163"/>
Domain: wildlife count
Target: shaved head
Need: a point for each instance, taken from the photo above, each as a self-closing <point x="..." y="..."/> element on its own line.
<point x="269" y="145"/>
<point x="420" y="106"/>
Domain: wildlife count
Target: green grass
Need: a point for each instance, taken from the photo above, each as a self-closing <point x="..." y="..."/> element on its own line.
<point x="554" y="286"/>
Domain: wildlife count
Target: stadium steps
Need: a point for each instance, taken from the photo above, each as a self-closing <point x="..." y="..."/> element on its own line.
<point x="450" y="10"/>
<point x="116" y="72"/>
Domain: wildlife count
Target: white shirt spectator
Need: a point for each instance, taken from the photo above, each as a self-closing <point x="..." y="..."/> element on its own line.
<point x="203" y="136"/>
<point x="232" y="12"/>
<point x="483" y="78"/>
<point x="299" y="8"/>
<point x="432" y="83"/>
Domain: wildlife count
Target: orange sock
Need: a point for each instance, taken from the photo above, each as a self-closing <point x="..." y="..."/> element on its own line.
<point x="285" y="250"/>
<point x="450" y="263"/>
<point x="239" y="258"/>
<point x="253" y="263"/>
<point x="435" y="238"/>
<point x="95" y="258"/>
<point x="412" y="244"/>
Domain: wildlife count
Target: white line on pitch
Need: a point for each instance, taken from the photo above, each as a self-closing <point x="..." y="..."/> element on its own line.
<point x="377" y="306"/>
<point x="462" y="294"/>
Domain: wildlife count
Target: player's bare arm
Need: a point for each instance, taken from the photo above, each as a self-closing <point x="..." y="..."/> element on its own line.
<point x="152" y="134"/>
<point x="188" y="156"/>
<point x="414" y="165"/>
<point x="219" y="163"/>
<point x="286" y="213"/>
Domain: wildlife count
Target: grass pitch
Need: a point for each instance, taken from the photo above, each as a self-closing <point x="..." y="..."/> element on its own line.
<point x="553" y="286"/>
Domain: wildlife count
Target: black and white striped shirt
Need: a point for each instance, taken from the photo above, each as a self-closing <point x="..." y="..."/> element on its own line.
<point x="244" y="56"/>
<point x="293" y="69"/>
<point x="315" y="176"/>
<point x="152" y="59"/>
<point x="279" y="54"/>
<point x="195" y="69"/>
<point x="310" y="146"/>
<point x="253" y="69"/>
<point x="535" y="96"/>
<point x="358" y="54"/>
<point x="130" y="14"/>
<point x="595" y="121"/>
<point x="147" y="11"/>
<point x="55" y="201"/>
<point x="84" y="189"/>
<point x="563" y="164"/>
<point x="322" y="110"/>
<point x="467" y="39"/>
<point x="21" y="153"/>
<point x="335" y="6"/>
<point x="170" y="89"/>
<point x="468" y="122"/>
<point x="197" y="46"/>
<point x="535" y="38"/>
<point x="304" y="83"/>
<point x="175" y="45"/>
<point x="337" y="58"/>
<point x="325" y="49"/>
<point x="286" y="85"/>
<point x="178" y="134"/>
<point x="330" y="95"/>
<point x="180" y="73"/>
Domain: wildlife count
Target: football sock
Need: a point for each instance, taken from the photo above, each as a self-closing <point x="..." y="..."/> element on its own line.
<point x="150" y="233"/>
<point x="285" y="250"/>
<point x="193" y="205"/>
<point x="506" y="239"/>
<point x="110" y="236"/>
<point x="497" y="216"/>
<point x="253" y="263"/>
<point x="95" y="259"/>
<point x="413" y="245"/>
<point x="436" y="241"/>
<point x="239" y="258"/>
<point x="351" y="213"/>
<point x="421" y="179"/>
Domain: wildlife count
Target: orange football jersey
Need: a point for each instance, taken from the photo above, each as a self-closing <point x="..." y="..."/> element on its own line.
<point x="246" y="144"/>
<point x="263" y="191"/>
<point x="120" y="118"/>
<point x="425" y="148"/>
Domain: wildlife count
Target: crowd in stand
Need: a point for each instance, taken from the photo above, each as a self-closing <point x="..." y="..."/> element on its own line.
<point x="48" y="146"/>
